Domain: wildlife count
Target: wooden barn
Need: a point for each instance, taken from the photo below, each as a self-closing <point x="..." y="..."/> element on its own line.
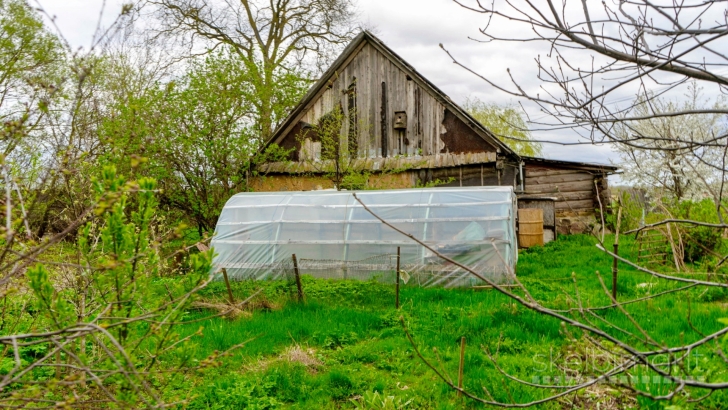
<point x="400" y="131"/>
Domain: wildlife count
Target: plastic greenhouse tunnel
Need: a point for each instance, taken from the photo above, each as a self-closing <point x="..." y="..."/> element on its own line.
<point x="333" y="236"/>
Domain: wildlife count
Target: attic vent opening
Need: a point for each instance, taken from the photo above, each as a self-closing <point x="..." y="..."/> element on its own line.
<point x="400" y="120"/>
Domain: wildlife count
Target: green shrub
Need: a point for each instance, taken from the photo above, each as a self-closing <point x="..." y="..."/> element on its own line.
<point x="632" y="212"/>
<point x="233" y="391"/>
<point x="354" y="181"/>
<point x="700" y="241"/>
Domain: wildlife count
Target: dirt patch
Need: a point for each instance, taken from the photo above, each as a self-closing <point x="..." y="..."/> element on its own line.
<point x="306" y="357"/>
<point x="601" y="397"/>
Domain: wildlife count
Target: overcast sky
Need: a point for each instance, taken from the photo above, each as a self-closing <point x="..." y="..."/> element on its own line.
<point x="413" y="29"/>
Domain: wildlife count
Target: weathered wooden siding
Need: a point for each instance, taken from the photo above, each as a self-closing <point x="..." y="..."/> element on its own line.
<point x="472" y="175"/>
<point x="577" y="194"/>
<point x="431" y="128"/>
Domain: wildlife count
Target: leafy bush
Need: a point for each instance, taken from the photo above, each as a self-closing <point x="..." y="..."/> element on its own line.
<point x="106" y="315"/>
<point x="700" y="241"/>
<point x="354" y="181"/>
<point x="233" y="391"/>
<point x="632" y="211"/>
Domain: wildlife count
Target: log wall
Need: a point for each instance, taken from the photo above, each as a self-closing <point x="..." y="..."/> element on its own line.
<point x="577" y="193"/>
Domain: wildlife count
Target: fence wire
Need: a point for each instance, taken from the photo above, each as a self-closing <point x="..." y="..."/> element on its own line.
<point x="382" y="268"/>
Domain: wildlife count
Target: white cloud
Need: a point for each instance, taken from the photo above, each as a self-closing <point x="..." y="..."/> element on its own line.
<point x="413" y="29"/>
<point x="77" y="20"/>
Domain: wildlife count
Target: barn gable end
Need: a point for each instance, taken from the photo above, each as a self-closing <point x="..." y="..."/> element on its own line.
<point x="386" y="109"/>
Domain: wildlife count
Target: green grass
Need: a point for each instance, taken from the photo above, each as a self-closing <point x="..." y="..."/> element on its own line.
<point x="353" y="334"/>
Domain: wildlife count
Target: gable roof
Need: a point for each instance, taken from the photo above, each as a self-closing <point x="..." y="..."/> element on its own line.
<point x="348" y="53"/>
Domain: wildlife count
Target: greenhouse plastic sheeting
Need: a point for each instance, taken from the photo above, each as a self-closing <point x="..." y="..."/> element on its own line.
<point x="333" y="236"/>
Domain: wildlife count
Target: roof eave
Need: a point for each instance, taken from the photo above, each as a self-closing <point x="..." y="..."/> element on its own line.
<point x="587" y="166"/>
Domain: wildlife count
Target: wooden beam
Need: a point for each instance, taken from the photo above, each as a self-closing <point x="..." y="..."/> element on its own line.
<point x="550" y="172"/>
<point x="583" y="176"/>
<point x="575" y="205"/>
<point x="383" y="119"/>
<point x="558" y="187"/>
<point x="574" y="196"/>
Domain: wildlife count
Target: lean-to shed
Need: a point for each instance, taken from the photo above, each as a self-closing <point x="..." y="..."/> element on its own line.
<point x="334" y="236"/>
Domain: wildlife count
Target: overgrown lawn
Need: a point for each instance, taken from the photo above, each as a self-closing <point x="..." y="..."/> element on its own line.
<point x="345" y="346"/>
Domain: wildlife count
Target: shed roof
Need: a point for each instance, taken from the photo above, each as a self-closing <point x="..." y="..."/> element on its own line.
<point x="584" y="166"/>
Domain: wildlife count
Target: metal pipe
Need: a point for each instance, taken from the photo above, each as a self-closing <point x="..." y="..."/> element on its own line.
<point x="520" y="173"/>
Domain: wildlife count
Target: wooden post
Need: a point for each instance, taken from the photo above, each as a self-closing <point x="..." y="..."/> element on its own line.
<point x="614" y="272"/>
<point x="384" y="123"/>
<point x="616" y="252"/>
<point x="227" y="284"/>
<point x="299" y="287"/>
<point x="58" y="362"/>
<point x="396" y="291"/>
<point x="462" y="365"/>
<point x="203" y="248"/>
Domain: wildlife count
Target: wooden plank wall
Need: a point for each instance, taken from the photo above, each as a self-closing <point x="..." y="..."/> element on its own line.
<point x="370" y="68"/>
<point x="574" y="189"/>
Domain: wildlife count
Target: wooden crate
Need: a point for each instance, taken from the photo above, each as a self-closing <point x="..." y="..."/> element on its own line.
<point x="530" y="227"/>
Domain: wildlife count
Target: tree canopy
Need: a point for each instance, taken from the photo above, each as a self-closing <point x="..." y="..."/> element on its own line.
<point x="507" y="123"/>
<point x="663" y="166"/>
